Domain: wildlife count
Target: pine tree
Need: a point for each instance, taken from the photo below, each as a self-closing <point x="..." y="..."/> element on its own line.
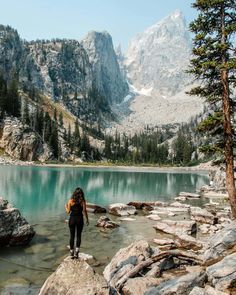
<point x="214" y="64"/>
<point x="3" y="96"/>
<point x="13" y="101"/>
<point x="26" y="113"/>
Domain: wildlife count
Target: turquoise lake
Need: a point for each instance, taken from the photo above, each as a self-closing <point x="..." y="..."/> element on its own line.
<point x="41" y="192"/>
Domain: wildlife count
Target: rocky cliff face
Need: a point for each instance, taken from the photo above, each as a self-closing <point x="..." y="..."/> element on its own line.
<point x="107" y="77"/>
<point x="64" y="69"/>
<point x="156" y="59"/>
<point x="20" y="142"/>
<point x="58" y="68"/>
<point x="11" y="50"/>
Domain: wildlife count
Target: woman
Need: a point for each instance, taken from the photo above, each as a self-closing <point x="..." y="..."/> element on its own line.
<point x="76" y="206"/>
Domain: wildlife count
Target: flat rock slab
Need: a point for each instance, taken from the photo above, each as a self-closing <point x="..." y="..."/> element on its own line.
<point x="179" y="286"/>
<point x="180" y="230"/>
<point x="165" y="244"/>
<point x="176" y="227"/>
<point x="222" y="275"/>
<point x="127" y="219"/>
<point x="189" y="195"/>
<point x="154" y="217"/>
<point x="120" y="209"/>
<point x="215" y="195"/>
<point x="203" y="216"/>
<point x="74" y="277"/>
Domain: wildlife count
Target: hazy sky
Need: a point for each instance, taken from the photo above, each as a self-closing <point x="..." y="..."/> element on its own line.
<point x="123" y="19"/>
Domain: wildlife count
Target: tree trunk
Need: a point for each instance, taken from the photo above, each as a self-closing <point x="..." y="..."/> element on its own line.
<point x="228" y="132"/>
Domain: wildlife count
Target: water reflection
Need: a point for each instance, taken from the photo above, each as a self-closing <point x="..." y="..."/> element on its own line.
<point x="40" y="191"/>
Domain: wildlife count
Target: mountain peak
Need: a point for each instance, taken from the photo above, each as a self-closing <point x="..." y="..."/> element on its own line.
<point x="176" y="14"/>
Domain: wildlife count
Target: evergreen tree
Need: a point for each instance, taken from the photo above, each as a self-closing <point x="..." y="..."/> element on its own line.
<point x="61" y="120"/>
<point x="3" y="97"/>
<point x="214" y="63"/>
<point x="26" y="114"/>
<point x="13" y="106"/>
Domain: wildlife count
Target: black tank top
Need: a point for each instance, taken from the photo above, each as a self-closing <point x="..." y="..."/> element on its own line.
<point x="76" y="209"/>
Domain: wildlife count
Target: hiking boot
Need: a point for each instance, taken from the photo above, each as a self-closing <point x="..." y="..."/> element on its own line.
<point x="72" y="253"/>
<point x="76" y="253"/>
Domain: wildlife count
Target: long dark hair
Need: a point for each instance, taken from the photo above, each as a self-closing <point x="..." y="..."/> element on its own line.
<point x="78" y="195"/>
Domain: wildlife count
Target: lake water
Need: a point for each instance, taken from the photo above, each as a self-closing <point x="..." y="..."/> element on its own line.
<point x="41" y="192"/>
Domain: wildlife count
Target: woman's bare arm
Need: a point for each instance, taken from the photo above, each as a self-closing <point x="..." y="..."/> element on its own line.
<point x="67" y="207"/>
<point x="85" y="212"/>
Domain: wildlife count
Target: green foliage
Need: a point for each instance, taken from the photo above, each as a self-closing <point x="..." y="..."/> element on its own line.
<point x="214" y="56"/>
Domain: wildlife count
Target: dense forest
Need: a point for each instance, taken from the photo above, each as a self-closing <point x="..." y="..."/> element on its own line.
<point x="166" y="145"/>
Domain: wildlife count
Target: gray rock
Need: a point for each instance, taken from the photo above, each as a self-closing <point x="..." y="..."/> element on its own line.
<point x="208" y="290"/>
<point x="179" y="286"/>
<point x="203" y="216"/>
<point x="120" y="209"/>
<point x="74" y="277"/>
<point x="105" y="222"/>
<point x="106" y="73"/>
<point x="222" y="275"/>
<point x="22" y="143"/>
<point x="14" y="229"/>
<point x="93" y="208"/>
<point x="197" y="291"/>
<point x="176" y="227"/>
<point x="138" y="286"/>
<point x="189" y="195"/>
<point x="131" y="255"/>
<point x="220" y="243"/>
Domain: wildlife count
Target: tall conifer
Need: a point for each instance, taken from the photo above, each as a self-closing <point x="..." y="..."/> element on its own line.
<point x="214" y="65"/>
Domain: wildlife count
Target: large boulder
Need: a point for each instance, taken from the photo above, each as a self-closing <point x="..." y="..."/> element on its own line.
<point x="74" y="277"/>
<point x="220" y="244"/>
<point x="222" y="275"/>
<point x="104" y="221"/>
<point x="14" y="229"/>
<point x="179" y="286"/>
<point x="120" y="209"/>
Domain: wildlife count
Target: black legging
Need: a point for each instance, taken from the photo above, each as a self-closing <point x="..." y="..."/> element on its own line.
<point x="75" y="222"/>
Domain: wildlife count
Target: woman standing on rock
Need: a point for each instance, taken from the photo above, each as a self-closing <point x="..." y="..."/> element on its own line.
<point x="76" y="206"/>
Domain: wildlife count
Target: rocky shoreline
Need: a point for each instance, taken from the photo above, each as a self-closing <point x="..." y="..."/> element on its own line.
<point x="191" y="260"/>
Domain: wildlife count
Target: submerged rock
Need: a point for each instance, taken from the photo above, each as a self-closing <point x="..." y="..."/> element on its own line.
<point x="120" y="209"/>
<point x="74" y="277"/>
<point x="106" y="222"/>
<point x="93" y="208"/>
<point x="14" y="229"/>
